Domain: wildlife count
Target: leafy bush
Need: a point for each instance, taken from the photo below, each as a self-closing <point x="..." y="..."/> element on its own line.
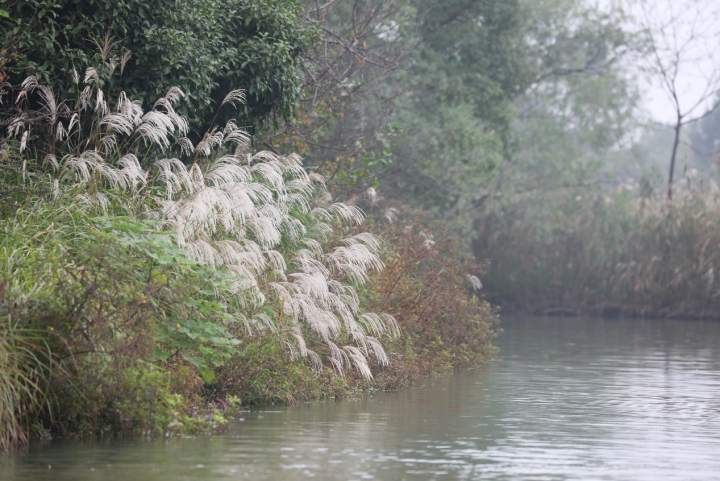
<point x="263" y="372"/>
<point x="206" y="47"/>
<point x="260" y="217"/>
<point x="104" y="283"/>
<point x="165" y="273"/>
<point x="110" y="289"/>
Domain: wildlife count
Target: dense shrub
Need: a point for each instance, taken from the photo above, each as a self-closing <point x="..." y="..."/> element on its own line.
<point x="104" y="295"/>
<point x="263" y="373"/>
<point x="206" y="47"/>
<point x="167" y="276"/>
<point x="431" y="286"/>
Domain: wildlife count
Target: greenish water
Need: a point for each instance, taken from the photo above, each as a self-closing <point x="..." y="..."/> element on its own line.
<point x="566" y="399"/>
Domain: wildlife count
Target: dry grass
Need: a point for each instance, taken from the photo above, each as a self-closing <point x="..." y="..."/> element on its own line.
<point x="612" y="254"/>
<point x="432" y="289"/>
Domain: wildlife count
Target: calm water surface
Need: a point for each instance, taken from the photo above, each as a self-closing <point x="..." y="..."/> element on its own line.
<point x="566" y="399"/>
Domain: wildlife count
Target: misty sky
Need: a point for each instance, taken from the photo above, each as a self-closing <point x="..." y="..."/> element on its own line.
<point x="701" y="58"/>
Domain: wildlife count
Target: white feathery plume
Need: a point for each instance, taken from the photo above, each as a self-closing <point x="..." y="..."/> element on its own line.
<point x="235" y="135"/>
<point x="156" y="128"/>
<point x="51" y="159"/>
<point x="372" y="195"/>
<point x="60" y="132"/>
<point x="347" y="213"/>
<point x="375" y="347"/>
<point x="100" y="105"/>
<point x="227" y="170"/>
<point x="186" y="146"/>
<point x="359" y="361"/>
<point x="91" y="76"/>
<point x="390" y="215"/>
<point x="475" y="282"/>
<point x="174" y="95"/>
<point x="72" y="123"/>
<point x="210" y="141"/>
<point x="85" y="97"/>
<point x="23" y="140"/>
<point x="236" y="98"/>
<point x="276" y="260"/>
<point x="27" y="86"/>
<point x="107" y="143"/>
<point x="261" y="217"/>
<point x="174" y="176"/>
<point x="132" y="171"/>
<point x="119" y="123"/>
<point x="317" y="178"/>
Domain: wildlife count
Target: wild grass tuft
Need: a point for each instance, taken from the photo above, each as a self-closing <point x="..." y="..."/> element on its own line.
<point x="24" y="371"/>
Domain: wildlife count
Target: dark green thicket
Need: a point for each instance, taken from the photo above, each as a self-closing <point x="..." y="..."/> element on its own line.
<point x="206" y="47"/>
<point x="24" y="370"/>
<point x="263" y="373"/>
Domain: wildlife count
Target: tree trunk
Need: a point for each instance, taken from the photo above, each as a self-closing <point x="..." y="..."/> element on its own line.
<point x="676" y="143"/>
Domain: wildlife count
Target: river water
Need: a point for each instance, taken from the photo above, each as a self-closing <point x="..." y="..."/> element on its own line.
<point x="580" y="399"/>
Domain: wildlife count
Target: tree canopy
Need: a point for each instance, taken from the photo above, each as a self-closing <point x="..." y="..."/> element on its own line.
<point x="205" y="47"/>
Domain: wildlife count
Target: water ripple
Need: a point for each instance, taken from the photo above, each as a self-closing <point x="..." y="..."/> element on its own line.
<point x="567" y="399"/>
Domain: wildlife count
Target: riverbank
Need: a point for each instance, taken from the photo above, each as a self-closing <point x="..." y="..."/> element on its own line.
<point x="144" y="295"/>
<point x="110" y="330"/>
<point x="107" y="376"/>
<point x="610" y="311"/>
<point x="640" y="394"/>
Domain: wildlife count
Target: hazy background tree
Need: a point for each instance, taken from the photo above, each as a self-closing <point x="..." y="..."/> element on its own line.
<point x="681" y="43"/>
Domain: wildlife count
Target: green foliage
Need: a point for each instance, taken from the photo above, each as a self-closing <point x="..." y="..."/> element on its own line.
<point x="205" y="47"/>
<point x="111" y="289"/>
<point x="92" y="277"/>
<point x="455" y="159"/>
<point x="454" y="103"/>
<point x="246" y="269"/>
<point x="261" y="372"/>
<point x="471" y="52"/>
<point x="101" y="399"/>
<point x="239" y="243"/>
<point x="24" y="369"/>
<point x="493" y="97"/>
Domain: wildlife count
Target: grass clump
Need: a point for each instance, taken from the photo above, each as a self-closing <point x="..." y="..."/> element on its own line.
<point x="24" y="369"/>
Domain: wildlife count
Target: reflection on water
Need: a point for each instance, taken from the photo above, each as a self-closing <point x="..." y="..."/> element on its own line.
<point x="566" y="399"/>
